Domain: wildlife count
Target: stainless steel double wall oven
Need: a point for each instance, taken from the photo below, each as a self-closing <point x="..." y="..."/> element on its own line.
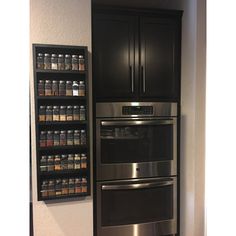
<point x="136" y="167"/>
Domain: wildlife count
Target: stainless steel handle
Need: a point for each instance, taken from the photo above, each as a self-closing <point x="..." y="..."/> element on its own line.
<point x="137" y="122"/>
<point x="132" y="78"/>
<point x="144" y="78"/>
<point x="137" y="185"/>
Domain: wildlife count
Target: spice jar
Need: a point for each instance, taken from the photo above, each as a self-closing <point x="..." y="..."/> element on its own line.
<point x="64" y="162"/>
<point x="70" y="140"/>
<point x="83" y="161"/>
<point x="40" y="61"/>
<point x="62" y="138"/>
<point x="42" y="113"/>
<point x="65" y="189"/>
<point x="75" y="88"/>
<point x="44" y="188"/>
<point x="69" y="113"/>
<point x="50" y="163"/>
<point x="55" y="113"/>
<point x="51" y="188"/>
<point x="77" y="137"/>
<point x="67" y="62"/>
<point x="82" y="113"/>
<point x="77" y="161"/>
<point x="55" y="88"/>
<point x="78" y="185"/>
<point x="61" y="62"/>
<point x="54" y="62"/>
<point x="69" y="88"/>
<point x="71" y="186"/>
<point x="76" y="113"/>
<point x="42" y="142"/>
<point x="49" y="113"/>
<point x="47" y="61"/>
<point x="56" y="138"/>
<point x="83" y="137"/>
<point x="62" y="88"/>
<point x="48" y="88"/>
<point x="57" y="162"/>
<point x="58" y="187"/>
<point x="43" y="163"/>
<point x="75" y="61"/>
<point x="49" y="138"/>
<point x="81" y="89"/>
<point x="70" y="161"/>
<point x="81" y="63"/>
<point x="62" y="113"/>
<point x="41" y="88"/>
<point x="84" y="185"/>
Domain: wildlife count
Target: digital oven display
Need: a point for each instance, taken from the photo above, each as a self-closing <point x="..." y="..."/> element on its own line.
<point x="137" y="110"/>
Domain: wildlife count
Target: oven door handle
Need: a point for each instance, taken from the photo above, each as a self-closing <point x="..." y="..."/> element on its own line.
<point x="137" y="186"/>
<point x="138" y="122"/>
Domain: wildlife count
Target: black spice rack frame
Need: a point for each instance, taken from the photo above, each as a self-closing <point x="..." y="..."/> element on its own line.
<point x="40" y="74"/>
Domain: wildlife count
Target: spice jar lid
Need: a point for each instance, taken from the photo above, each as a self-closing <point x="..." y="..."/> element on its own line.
<point x="81" y="107"/>
<point x="55" y="107"/>
<point x="67" y="56"/>
<point x="82" y="130"/>
<point x="76" y="131"/>
<point x="83" y="155"/>
<point x="69" y="131"/>
<point x="56" y="132"/>
<point x="61" y="81"/>
<point x="70" y="155"/>
<point x="43" y="157"/>
<point x="49" y="107"/>
<point x="51" y="181"/>
<point x="81" y="56"/>
<point x="51" y="157"/>
<point x="60" y="55"/>
<point x="69" y="82"/>
<point x="40" y="54"/>
<point x="69" y="107"/>
<point x="54" y="55"/>
<point x="77" y="155"/>
<point x="41" y="81"/>
<point x="50" y="132"/>
<point x="74" y="56"/>
<point x="63" y="131"/>
<point x="47" y="81"/>
<point x="57" y="156"/>
<point x="46" y="54"/>
<point x="65" y="181"/>
<point x="76" y="107"/>
<point x="42" y="107"/>
<point x="43" y="132"/>
<point x="75" y="82"/>
<point x="81" y="82"/>
<point x="54" y="81"/>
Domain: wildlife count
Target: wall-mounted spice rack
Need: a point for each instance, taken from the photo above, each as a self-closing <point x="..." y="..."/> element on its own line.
<point x="61" y="82"/>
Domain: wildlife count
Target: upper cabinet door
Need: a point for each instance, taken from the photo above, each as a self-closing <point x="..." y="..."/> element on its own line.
<point x="113" y="56"/>
<point x="160" y="58"/>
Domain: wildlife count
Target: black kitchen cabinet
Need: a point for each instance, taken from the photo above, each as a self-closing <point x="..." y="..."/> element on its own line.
<point x="136" y="54"/>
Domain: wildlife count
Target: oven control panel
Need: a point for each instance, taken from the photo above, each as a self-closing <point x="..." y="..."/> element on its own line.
<point x="137" y="110"/>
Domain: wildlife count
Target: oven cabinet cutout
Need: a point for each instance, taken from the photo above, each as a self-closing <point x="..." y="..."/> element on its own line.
<point x="136" y="55"/>
<point x="131" y="207"/>
<point x="136" y="148"/>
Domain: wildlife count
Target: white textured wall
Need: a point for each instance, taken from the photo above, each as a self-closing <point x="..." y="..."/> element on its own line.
<point x="65" y="22"/>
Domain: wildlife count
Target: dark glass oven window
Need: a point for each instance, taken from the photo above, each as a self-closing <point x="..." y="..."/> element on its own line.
<point x="129" y="144"/>
<point x="121" y="207"/>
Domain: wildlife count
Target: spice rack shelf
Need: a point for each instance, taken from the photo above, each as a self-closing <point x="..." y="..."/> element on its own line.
<point x="64" y="172"/>
<point x="75" y="195"/>
<point x="61" y="98"/>
<point x="68" y="180"/>
<point x="42" y="123"/>
<point x="70" y="147"/>
<point x="61" y="71"/>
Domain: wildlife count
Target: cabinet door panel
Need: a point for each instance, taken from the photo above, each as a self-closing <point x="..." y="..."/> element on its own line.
<point x="113" y="56"/>
<point x="159" y="55"/>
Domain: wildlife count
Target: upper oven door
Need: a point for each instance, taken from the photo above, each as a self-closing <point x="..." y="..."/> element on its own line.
<point x="134" y="148"/>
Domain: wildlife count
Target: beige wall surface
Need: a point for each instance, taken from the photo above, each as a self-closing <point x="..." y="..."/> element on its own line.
<point x="69" y="22"/>
<point x="64" y="22"/>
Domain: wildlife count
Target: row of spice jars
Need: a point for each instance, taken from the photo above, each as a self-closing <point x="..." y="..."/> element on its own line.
<point x="63" y="162"/>
<point x="62" y="138"/>
<point x="61" y="88"/>
<point x="62" y="113"/>
<point x="58" y="187"/>
<point x="60" y="62"/>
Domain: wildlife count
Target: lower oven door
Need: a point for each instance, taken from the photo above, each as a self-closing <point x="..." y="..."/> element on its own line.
<point x="145" y="207"/>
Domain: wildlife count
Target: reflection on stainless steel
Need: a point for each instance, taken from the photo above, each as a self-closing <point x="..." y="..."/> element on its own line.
<point x="136" y="170"/>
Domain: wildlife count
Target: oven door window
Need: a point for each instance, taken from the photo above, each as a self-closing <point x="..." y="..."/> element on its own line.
<point x="137" y="143"/>
<point x="133" y="206"/>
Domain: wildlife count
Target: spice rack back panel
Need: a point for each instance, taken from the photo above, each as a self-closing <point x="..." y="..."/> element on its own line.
<point x="62" y="121"/>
